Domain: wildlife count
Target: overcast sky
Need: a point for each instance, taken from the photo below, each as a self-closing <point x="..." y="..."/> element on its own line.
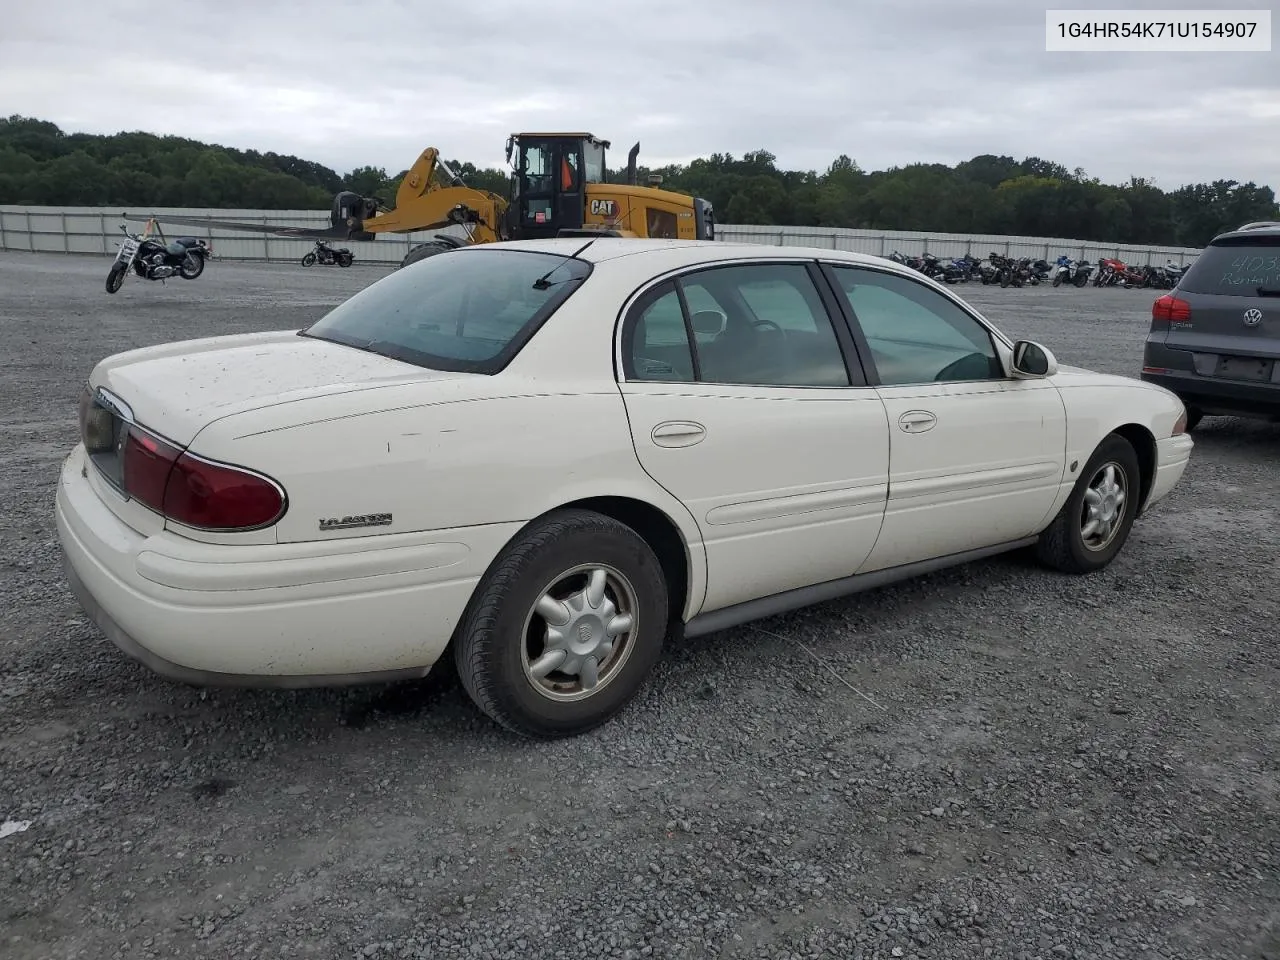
<point x="888" y="82"/>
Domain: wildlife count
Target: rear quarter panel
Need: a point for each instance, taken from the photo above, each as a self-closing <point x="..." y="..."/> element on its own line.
<point x="443" y="465"/>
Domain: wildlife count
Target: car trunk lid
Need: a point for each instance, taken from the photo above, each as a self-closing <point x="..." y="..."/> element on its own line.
<point x="175" y="390"/>
<point x="167" y="394"/>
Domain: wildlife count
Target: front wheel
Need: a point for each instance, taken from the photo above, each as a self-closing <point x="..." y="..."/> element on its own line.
<point x="565" y="627"/>
<point x="309" y="260"/>
<point x="115" y="277"/>
<point x="1057" y="279"/>
<point x="1095" y="521"/>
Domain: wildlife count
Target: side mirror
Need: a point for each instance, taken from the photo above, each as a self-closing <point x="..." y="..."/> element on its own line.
<point x="1032" y="361"/>
<point x="709" y="322"/>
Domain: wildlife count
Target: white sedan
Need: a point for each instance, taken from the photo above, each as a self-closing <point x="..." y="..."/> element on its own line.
<point x="545" y="458"/>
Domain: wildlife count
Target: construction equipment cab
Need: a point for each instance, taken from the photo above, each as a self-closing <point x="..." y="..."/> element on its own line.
<point x="559" y="188"/>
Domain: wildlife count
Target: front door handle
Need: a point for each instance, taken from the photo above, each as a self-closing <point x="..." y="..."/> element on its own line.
<point x="678" y="433"/>
<point x="917" y="421"/>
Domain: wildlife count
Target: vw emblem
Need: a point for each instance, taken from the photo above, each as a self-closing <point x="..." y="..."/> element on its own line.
<point x="1252" y="317"/>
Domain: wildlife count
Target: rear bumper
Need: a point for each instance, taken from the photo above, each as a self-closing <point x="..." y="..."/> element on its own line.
<point x="1215" y="395"/>
<point x="1184" y="372"/>
<point x="331" y="613"/>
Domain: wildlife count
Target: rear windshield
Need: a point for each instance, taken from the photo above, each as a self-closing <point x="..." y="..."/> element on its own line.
<point x="1236" y="269"/>
<point x="467" y="310"/>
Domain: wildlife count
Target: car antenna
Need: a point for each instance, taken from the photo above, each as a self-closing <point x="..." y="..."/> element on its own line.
<point x="542" y="283"/>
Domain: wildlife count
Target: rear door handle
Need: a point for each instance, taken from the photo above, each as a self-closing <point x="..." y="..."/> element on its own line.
<point x="678" y="433"/>
<point x="917" y="421"/>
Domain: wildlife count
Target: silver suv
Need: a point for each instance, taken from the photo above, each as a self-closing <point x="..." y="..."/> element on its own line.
<point x="1215" y="337"/>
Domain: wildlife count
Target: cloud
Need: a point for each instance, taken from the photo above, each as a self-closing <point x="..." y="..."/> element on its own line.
<point x="888" y="82"/>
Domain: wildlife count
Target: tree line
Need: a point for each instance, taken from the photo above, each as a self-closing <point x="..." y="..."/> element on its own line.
<point x="40" y="164"/>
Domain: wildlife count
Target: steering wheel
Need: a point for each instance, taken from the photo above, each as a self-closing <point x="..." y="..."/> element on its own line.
<point x="767" y="323"/>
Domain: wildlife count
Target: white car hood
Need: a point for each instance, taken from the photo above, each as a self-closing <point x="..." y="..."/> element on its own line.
<point x="176" y="389"/>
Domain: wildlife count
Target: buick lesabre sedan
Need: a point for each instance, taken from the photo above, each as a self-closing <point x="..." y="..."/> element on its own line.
<point x="544" y="459"/>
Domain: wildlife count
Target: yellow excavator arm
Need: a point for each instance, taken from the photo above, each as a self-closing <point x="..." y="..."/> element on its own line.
<point x="424" y="202"/>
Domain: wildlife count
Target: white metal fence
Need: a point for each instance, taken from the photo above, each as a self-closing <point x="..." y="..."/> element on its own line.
<point x="95" y="230"/>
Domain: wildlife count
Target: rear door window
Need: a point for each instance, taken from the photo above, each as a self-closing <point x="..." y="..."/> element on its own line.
<point x="1241" y="269"/>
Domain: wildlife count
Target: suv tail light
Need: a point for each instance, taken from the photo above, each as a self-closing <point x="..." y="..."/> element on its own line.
<point x="1169" y="309"/>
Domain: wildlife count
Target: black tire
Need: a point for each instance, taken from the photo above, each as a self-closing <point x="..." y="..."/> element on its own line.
<point x="115" y="277"/>
<point x="1194" y="416"/>
<point x="1006" y="278"/>
<point x="1062" y="545"/>
<point x="191" y="258"/>
<point x="1057" y="279"/>
<point x="309" y="260"/>
<point x="1081" y="280"/>
<point x="492" y="646"/>
<point x="345" y="259"/>
<point x="423" y="250"/>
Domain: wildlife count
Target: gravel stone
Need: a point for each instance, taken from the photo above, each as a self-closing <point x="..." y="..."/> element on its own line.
<point x="1065" y="767"/>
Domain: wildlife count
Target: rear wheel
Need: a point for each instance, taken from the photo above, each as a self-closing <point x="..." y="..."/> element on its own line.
<point x="345" y="259"/>
<point x="192" y="266"/>
<point x="1095" y="521"/>
<point x="115" y="277"/>
<point x="1081" y="279"/>
<point x="566" y="626"/>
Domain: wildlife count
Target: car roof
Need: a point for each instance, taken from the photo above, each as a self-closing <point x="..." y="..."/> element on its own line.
<point x="612" y="248"/>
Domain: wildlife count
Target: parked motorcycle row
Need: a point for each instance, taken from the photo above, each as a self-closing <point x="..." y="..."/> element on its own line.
<point x="1027" y="271"/>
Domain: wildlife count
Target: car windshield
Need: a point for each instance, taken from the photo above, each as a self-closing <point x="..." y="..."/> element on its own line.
<point x="1236" y="269"/>
<point x="467" y="310"/>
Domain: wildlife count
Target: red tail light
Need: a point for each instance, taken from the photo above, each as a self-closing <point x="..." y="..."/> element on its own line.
<point x="201" y="493"/>
<point x="148" y="461"/>
<point x="197" y="492"/>
<point x="1169" y="309"/>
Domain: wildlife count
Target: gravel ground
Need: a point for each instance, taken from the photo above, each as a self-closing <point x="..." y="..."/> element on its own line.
<point x="999" y="762"/>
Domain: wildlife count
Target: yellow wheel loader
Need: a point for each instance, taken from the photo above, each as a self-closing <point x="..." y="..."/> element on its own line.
<point x="557" y="188"/>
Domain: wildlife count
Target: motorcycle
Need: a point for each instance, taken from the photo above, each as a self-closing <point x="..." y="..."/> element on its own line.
<point x="153" y="259"/>
<point x="1071" y="271"/>
<point x="1110" y="271"/>
<point x="327" y="255"/>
